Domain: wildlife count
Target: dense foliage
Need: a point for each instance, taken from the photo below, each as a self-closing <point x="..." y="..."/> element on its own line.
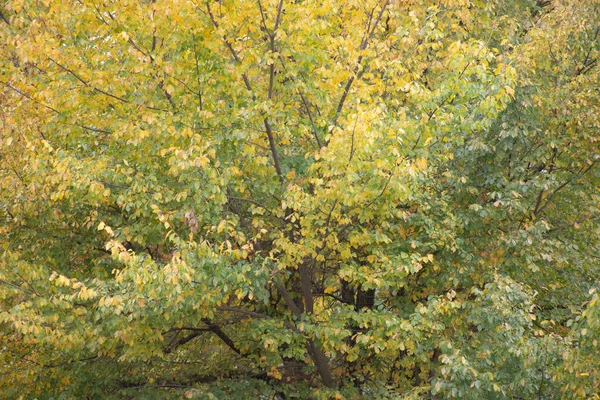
<point x="300" y="199"/>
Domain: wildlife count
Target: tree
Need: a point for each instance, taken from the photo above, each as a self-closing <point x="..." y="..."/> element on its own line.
<point x="378" y="199"/>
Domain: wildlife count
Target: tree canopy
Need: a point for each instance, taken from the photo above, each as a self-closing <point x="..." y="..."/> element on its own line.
<point x="300" y="199"/>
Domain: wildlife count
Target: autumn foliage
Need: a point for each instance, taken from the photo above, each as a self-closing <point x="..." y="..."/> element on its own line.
<point x="299" y="199"/>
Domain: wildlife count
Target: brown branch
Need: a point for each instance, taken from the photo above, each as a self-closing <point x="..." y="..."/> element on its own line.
<point x="210" y="327"/>
<point x="562" y="186"/>
<point x="216" y="329"/>
<point x="168" y="95"/>
<point x="96" y="89"/>
<point x="305" y="103"/>
<point x="187" y="87"/>
<point x="69" y="362"/>
<point x="195" y="333"/>
<point x="310" y="117"/>
<point x="85" y="83"/>
<point x="321" y="363"/>
<point x="352" y="148"/>
<point x="256" y="315"/>
<point x="242" y="311"/>
<point x="28" y="97"/>
<point x="89" y="128"/>
<point x="287" y="297"/>
<point x="6" y="210"/>
<point x="198" y="75"/>
<point x="304" y="270"/>
<point x="278" y="18"/>
<point x="256" y="203"/>
<point x="263" y="18"/>
<point x="4" y="18"/>
<point x="328" y="219"/>
<point x="114" y="96"/>
<point x="363" y="46"/>
<point x="27" y="282"/>
<point x="385" y="186"/>
<point x="538" y="202"/>
<point x="268" y="129"/>
<point x="14" y="285"/>
<point x="317" y="354"/>
<point x="587" y="63"/>
<point x="230" y="48"/>
<point x="273" y="147"/>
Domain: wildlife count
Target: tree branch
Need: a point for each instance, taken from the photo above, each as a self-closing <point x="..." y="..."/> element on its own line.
<point x="363" y="46"/>
<point x="268" y="129"/>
